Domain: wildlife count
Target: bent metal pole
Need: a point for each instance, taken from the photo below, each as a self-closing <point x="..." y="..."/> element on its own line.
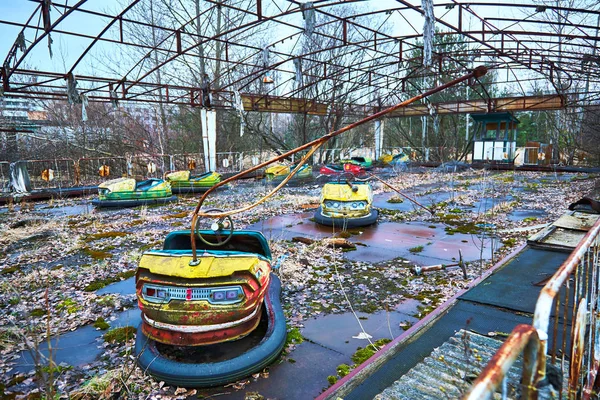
<point x="314" y="145"/>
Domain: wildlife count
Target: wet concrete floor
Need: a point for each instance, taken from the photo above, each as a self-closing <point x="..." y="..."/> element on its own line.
<point x="388" y="240"/>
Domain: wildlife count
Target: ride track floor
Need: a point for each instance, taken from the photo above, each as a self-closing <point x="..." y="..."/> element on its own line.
<point x="497" y="304"/>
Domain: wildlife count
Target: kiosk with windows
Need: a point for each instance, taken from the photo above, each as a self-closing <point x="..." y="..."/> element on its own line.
<point x="495" y="138"/>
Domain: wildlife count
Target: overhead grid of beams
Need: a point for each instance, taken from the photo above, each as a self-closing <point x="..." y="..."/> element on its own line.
<point x="360" y="55"/>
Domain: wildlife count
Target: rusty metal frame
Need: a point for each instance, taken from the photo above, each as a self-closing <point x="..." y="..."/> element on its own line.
<point x="519" y="46"/>
<point x="579" y="277"/>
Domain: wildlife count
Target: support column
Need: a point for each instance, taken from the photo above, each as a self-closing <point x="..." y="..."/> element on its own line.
<point x="378" y="138"/>
<point x="209" y="138"/>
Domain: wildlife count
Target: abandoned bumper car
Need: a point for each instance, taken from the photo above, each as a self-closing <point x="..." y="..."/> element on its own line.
<point x="126" y="192"/>
<point x="279" y="172"/>
<point x="334" y="169"/>
<point x="346" y="204"/>
<point x="184" y="182"/>
<point x="216" y="300"/>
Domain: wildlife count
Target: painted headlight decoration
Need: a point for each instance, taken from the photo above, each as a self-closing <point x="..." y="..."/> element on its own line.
<point x="220" y="295"/>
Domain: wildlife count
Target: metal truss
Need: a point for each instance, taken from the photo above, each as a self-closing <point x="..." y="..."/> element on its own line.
<point x="358" y="54"/>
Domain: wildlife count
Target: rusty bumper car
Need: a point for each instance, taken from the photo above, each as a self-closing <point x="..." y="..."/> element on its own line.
<point x="220" y="298"/>
<point x="346" y="204"/>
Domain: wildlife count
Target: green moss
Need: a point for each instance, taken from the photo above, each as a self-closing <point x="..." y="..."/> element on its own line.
<point x="37" y="312"/>
<point x="100" y="283"/>
<point x="97" y="254"/>
<point x="416" y="249"/>
<point x="332" y="379"/>
<point x="126" y="274"/>
<point x="101" y="324"/>
<point x="14" y="301"/>
<point x="9" y="270"/>
<point x="368" y="308"/>
<point x="120" y="335"/>
<point x="343" y="370"/>
<point x="291" y="361"/>
<point x="150" y="245"/>
<point x="69" y="305"/>
<point x="363" y="355"/>
<point x="466" y="228"/>
<point x="103" y="235"/>
<point x="182" y="214"/>
<point x="529" y="219"/>
<point x="293" y="337"/>
<point x="343" y="234"/>
<point x="395" y="200"/>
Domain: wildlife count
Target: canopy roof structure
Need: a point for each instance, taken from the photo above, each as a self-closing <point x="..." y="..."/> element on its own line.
<point x="362" y="54"/>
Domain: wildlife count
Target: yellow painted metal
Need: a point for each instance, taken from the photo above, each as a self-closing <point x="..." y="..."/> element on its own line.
<point x="278" y="170"/>
<point x="210" y="267"/>
<point x="343" y="192"/>
<point x="178" y="176"/>
<point x="119" y="185"/>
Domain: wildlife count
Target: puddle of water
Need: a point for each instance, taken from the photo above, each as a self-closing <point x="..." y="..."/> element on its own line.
<point x="381" y="201"/>
<point x="386" y="241"/>
<point x="338" y="331"/>
<point x="122" y="287"/>
<point x="76" y="209"/>
<point x="310" y="364"/>
<point x="79" y="347"/>
<point x="487" y="203"/>
<point x="518" y="215"/>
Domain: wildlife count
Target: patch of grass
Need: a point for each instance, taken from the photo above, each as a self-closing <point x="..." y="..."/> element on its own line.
<point x="416" y="249"/>
<point x="120" y="335"/>
<point x="101" y="324"/>
<point x="529" y="219"/>
<point x="363" y="355"/>
<point x="455" y="211"/>
<point x="509" y="242"/>
<point x="103" y="235"/>
<point x="37" y="312"/>
<point x="14" y="301"/>
<point x="332" y="379"/>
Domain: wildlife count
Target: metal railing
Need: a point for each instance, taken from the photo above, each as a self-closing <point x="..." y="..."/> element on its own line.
<point x="572" y="295"/>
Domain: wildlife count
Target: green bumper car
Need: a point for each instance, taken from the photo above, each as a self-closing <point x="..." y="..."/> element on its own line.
<point x="126" y="192"/>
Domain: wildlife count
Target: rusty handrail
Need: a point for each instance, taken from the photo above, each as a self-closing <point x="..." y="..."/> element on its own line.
<point x="523" y="339"/>
<point x="543" y="307"/>
<point x="534" y="368"/>
<point x="313" y="146"/>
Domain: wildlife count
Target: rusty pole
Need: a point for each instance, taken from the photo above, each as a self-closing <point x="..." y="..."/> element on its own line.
<point x="476" y="73"/>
